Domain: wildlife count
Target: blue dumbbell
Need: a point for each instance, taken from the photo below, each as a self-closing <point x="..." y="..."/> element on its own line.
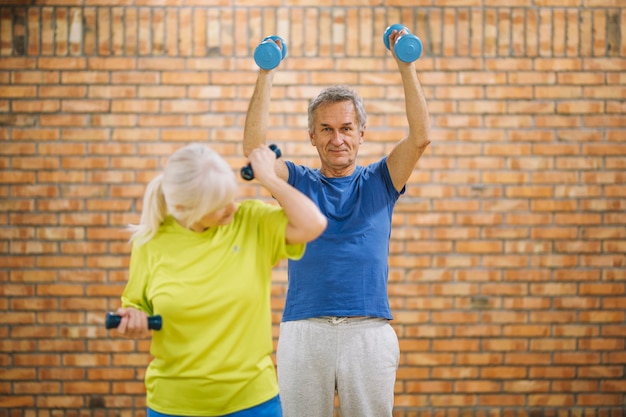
<point x="408" y="47"/>
<point x="247" y="173"/>
<point x="268" y="54"/>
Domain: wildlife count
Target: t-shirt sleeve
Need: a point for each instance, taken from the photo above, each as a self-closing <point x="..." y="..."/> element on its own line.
<point x="295" y="172"/>
<point x="382" y="169"/>
<point x="134" y="294"/>
<point x="272" y="227"/>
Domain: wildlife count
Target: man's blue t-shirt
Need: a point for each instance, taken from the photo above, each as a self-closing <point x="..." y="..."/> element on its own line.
<point x="344" y="272"/>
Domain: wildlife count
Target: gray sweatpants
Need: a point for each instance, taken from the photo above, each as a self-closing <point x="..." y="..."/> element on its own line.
<point x="357" y="357"/>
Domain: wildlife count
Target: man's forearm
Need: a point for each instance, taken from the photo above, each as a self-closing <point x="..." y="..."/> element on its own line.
<point x="257" y="118"/>
<point x="416" y="107"/>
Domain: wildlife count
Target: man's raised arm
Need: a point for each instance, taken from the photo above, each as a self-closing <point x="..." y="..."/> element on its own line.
<point x="407" y="152"/>
<point x="257" y="118"/>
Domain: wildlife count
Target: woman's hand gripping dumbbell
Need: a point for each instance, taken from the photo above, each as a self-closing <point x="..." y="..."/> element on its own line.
<point x="113" y="320"/>
<point x="407" y="46"/>
<point x="248" y="174"/>
<point x="270" y="52"/>
<point x="134" y="325"/>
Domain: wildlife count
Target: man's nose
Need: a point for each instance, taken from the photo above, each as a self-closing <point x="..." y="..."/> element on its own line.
<point x="337" y="137"/>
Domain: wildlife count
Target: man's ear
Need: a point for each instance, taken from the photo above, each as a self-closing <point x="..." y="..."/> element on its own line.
<point x="312" y="138"/>
<point x="362" y="138"/>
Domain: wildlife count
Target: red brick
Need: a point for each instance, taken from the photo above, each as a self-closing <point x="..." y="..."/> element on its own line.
<point x="602" y="344"/>
<point x="65" y="401"/>
<point x="16" y="401"/>
<point x="526" y="386"/>
<point x="428" y="387"/>
<point x="553" y="372"/>
<point x="599" y="400"/>
<point x="501" y="400"/>
<point x="551" y="400"/>
<point x="30" y="134"/>
<point x="62" y="120"/>
<point x="46" y="360"/>
<point x="453" y="400"/>
<point x="38" y="388"/>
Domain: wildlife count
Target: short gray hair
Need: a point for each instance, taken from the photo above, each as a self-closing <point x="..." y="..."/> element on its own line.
<point x="338" y="94"/>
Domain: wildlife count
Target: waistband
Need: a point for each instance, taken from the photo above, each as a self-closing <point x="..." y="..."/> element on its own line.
<point x="336" y="320"/>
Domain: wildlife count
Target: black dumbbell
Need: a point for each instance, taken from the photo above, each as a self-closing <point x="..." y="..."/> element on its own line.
<point x="268" y="54"/>
<point x="246" y="172"/>
<point x="408" y="47"/>
<point x="113" y="320"/>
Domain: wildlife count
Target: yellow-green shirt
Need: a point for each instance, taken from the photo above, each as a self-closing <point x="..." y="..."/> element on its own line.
<point x="212" y="289"/>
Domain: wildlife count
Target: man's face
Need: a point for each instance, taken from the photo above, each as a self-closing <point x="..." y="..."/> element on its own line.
<point x="337" y="138"/>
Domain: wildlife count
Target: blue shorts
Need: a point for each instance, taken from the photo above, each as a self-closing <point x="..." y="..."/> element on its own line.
<point x="271" y="408"/>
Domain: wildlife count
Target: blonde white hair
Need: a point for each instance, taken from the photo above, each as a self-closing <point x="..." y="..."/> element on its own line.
<point x="195" y="182"/>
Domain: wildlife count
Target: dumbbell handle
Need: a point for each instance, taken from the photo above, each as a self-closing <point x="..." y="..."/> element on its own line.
<point x="247" y="173"/>
<point x="113" y="320"/>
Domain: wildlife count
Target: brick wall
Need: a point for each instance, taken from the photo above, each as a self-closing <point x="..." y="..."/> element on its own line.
<point x="508" y="266"/>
